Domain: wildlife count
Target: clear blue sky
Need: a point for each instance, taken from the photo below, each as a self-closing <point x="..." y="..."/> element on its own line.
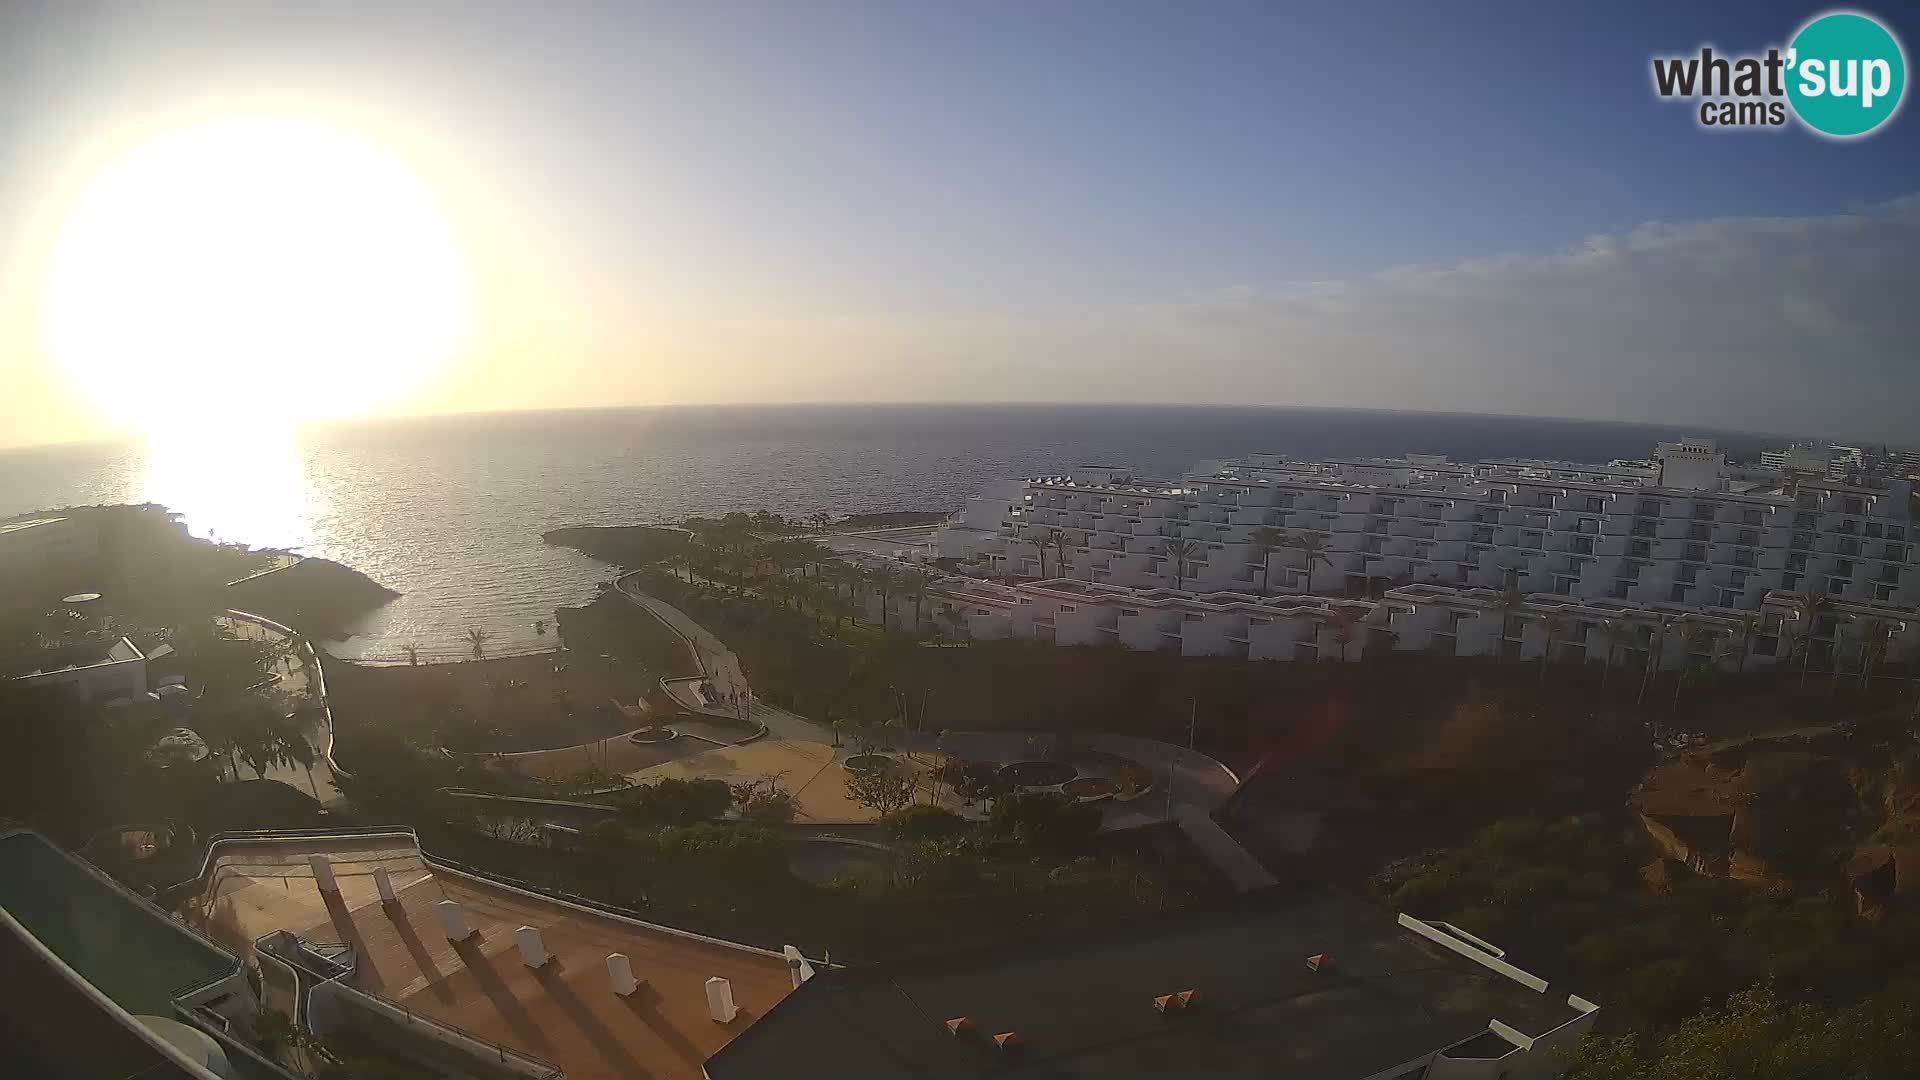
<point x="1051" y="200"/>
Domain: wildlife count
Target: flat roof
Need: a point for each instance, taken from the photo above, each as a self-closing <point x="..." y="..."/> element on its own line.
<point x="565" y="1012"/>
<point x="1083" y="1003"/>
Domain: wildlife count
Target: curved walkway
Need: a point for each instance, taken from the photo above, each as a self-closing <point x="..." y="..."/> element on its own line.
<point x="1193" y="784"/>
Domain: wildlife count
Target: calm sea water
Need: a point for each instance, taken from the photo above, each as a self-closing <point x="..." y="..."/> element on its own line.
<point x="450" y="510"/>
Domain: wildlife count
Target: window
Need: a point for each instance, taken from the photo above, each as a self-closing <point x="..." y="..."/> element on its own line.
<point x="1678" y="594"/>
<point x="1805" y="521"/>
<point x="1747" y="538"/>
<point x="1883" y="592"/>
<point x="1620" y="590"/>
<point x="1790" y="582"/>
<point x="1496" y="496"/>
<point x="1843" y="567"/>
<point x="1848" y="547"/>
<point x="1796" y="562"/>
<point x="1743" y="557"/>
<point x="1896" y="532"/>
<point x="1728" y="598"/>
<point x="1703" y="511"/>
<point x="1594" y="504"/>
<point x="1750" y="517"/>
<point x="1543" y="499"/>
<point x="1067" y="609"/>
<point x="1686" y="573"/>
<point x="1807" y="501"/>
<point x="1695" y="553"/>
<point x="1802" y="542"/>
<point x="979" y="611"/>
<point x="1853" y="504"/>
<point x="1873" y="530"/>
<point x="1583" y="545"/>
<point x="1836" y="586"/>
<point x="1640" y="549"/>
<point x="1699" y="532"/>
<point x="1648" y="507"/>
<point x="1738" y="579"/>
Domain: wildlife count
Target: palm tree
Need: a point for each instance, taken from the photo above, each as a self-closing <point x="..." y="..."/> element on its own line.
<point x="1314" y="547"/>
<point x="1343" y="623"/>
<point x="1614" y="630"/>
<point x="477" y="641"/>
<point x="1688" y="633"/>
<point x="1745" y="628"/>
<point x="1178" y="551"/>
<point x="913" y="586"/>
<point x="412" y="649"/>
<point x="1512" y="606"/>
<point x="1556" y="625"/>
<point x="1874" y="636"/>
<point x="957" y="620"/>
<point x="1809" y="606"/>
<point x="881" y="579"/>
<point x="1656" y="645"/>
<point x="1262" y="541"/>
<point x="539" y="628"/>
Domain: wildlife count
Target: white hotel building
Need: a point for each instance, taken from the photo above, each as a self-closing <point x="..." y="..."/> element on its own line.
<point x="1416" y="552"/>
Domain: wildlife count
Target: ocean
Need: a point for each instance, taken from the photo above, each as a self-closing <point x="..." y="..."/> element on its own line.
<point x="449" y="510"/>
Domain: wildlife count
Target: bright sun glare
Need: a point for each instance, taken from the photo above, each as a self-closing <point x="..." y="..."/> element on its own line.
<point x="257" y="271"/>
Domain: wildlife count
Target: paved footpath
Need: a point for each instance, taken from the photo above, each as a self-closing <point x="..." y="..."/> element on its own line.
<point x="1196" y="784"/>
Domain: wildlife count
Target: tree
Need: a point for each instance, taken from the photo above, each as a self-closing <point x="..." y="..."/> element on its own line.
<point x="913" y="586"/>
<point x="884" y="790"/>
<point x="1746" y="627"/>
<point x="1656" y="645"/>
<point x="1314" y="547"/>
<point x="1343" y="623"/>
<point x="1809" y="606"/>
<point x="223" y="664"/>
<point x="1875" y="635"/>
<point x="1512" y="606"/>
<point x="957" y="620"/>
<point x="300" y="752"/>
<point x="1688" y="633"/>
<point x="539" y="628"/>
<point x="1755" y="1036"/>
<point x="1260" y="543"/>
<point x="477" y="641"/>
<point x="257" y="732"/>
<point x="1556" y="626"/>
<point x="1045" y="819"/>
<point x="1058" y="538"/>
<point x="1178" y="551"/>
<point x="674" y="801"/>
<point x="1615" y="631"/>
<point x="881" y="578"/>
<point x="763" y="801"/>
<point x="412" y="649"/>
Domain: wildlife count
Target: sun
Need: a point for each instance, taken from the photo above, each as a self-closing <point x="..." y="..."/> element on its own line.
<point x="250" y="271"/>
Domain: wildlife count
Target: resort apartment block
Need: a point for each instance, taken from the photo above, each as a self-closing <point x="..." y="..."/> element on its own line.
<point x="1273" y="558"/>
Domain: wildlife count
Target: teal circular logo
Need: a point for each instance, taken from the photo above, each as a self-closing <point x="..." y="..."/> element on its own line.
<point x="1846" y="74"/>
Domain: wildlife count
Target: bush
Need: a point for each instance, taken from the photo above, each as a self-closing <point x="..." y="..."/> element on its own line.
<point x="1045" y="819"/>
<point x="678" y="802"/>
<point x="939" y="864"/>
<point x="924" y="823"/>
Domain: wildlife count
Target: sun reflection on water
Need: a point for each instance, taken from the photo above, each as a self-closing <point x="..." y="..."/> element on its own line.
<point x="234" y="485"/>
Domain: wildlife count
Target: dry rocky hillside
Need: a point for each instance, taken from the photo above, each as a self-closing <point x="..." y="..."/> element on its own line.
<point x="1791" y="812"/>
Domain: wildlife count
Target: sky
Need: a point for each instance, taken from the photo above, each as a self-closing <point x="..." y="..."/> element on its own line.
<point x="1471" y="207"/>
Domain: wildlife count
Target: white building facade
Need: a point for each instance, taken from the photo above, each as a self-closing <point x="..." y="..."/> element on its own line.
<point x="1679" y="534"/>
